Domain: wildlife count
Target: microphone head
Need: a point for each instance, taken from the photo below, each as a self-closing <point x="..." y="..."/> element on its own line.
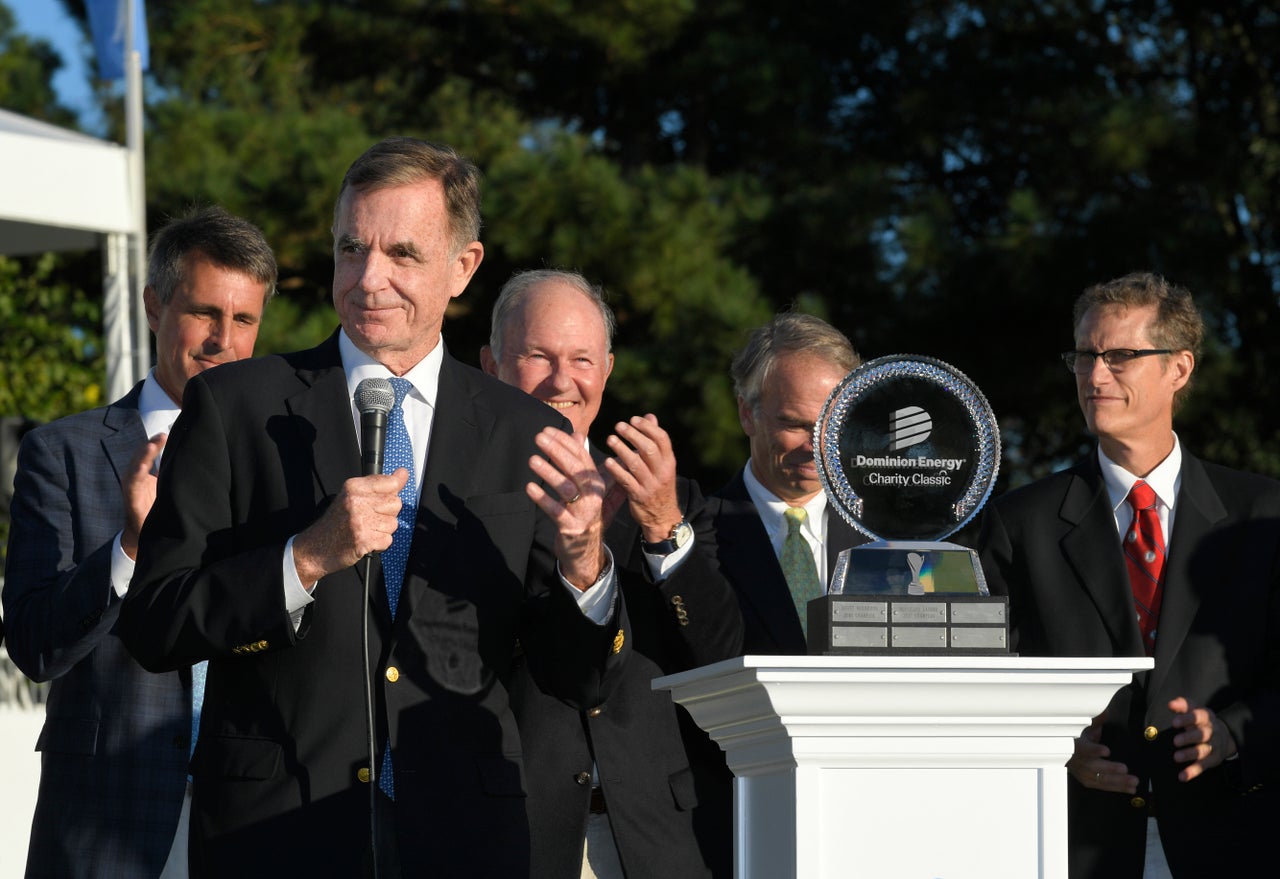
<point x="375" y="395"/>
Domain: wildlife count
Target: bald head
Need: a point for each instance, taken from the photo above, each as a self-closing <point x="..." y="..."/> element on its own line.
<point x="551" y="337"/>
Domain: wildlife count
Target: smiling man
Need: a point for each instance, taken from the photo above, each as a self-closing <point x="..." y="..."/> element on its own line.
<point x="1143" y="548"/>
<point x="777" y="539"/>
<point x="116" y="739"/>
<point x="630" y="787"/>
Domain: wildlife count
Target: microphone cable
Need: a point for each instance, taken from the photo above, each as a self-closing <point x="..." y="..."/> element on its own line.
<point x="374" y="398"/>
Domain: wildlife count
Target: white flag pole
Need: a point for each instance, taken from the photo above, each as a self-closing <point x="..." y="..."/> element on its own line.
<point x="138" y="187"/>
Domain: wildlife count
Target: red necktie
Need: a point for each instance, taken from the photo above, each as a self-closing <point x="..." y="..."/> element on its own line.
<point x="1144" y="554"/>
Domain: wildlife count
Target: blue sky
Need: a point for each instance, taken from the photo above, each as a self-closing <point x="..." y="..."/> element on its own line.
<point x="48" y="19"/>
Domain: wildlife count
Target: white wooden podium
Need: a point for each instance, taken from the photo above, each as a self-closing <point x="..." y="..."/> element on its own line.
<point x="912" y="767"/>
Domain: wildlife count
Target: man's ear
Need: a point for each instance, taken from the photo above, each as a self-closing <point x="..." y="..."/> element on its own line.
<point x="487" y="363"/>
<point x="746" y="418"/>
<point x="151" y="304"/>
<point x="1184" y="362"/>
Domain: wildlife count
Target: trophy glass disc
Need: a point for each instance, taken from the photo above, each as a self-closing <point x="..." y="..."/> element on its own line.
<point x="907" y="448"/>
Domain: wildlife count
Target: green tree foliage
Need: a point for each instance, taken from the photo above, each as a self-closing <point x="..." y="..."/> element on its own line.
<point x="935" y="177"/>
<point x="51" y="358"/>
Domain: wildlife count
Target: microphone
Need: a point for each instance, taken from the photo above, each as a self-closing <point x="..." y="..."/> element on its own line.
<point x="374" y="399"/>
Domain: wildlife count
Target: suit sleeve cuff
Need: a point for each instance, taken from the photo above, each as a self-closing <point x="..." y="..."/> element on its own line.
<point x="597" y="602"/>
<point x="121" y="567"/>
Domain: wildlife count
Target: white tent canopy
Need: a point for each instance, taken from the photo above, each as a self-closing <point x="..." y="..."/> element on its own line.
<point x="62" y="190"/>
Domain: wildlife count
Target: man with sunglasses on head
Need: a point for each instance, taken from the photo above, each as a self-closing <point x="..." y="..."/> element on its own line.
<point x="1177" y="776"/>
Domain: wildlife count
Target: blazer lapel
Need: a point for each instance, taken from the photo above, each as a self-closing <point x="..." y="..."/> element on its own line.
<point x="125" y="421"/>
<point x="321" y="431"/>
<point x="1092" y="548"/>
<point x="322" y="408"/>
<point x="1199" y="510"/>
<point x="750" y="563"/>
<point x="458" y="431"/>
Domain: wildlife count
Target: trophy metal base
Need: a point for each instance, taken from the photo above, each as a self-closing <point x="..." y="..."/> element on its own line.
<point x="947" y="624"/>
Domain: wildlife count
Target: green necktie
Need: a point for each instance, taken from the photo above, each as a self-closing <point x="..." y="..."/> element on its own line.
<point x="798" y="566"/>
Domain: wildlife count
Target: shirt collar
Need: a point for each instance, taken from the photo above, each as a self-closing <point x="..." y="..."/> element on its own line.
<point x="156" y="408"/>
<point x="425" y="375"/>
<point x="772" y="508"/>
<point x="1163" y="479"/>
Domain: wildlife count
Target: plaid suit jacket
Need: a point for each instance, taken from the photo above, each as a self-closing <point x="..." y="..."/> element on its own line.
<point x="116" y="738"/>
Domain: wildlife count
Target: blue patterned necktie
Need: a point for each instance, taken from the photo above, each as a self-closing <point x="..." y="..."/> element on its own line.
<point x="398" y="453"/>
<point x="798" y="566"/>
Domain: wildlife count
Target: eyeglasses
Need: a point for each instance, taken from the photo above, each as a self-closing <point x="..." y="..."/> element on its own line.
<point x="1081" y="362"/>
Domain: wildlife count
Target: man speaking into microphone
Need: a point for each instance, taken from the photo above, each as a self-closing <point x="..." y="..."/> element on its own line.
<point x="488" y="527"/>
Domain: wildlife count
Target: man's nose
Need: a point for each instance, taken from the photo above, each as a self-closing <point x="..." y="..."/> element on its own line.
<point x="560" y="377"/>
<point x="1099" y="373"/>
<point x="220" y="333"/>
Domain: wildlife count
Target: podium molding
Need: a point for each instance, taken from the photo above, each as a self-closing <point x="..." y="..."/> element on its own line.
<point x="912" y="767"/>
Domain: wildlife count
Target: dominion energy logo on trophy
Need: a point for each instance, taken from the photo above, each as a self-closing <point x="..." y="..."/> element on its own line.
<point x="907" y="449"/>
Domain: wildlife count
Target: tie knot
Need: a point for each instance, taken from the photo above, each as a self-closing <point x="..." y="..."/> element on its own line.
<point x="402" y="387"/>
<point x="1142" y="496"/>
<point x="795" y="517"/>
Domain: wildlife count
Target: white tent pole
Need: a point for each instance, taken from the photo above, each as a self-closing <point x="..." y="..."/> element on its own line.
<point x="116" y="318"/>
<point x="138" y="186"/>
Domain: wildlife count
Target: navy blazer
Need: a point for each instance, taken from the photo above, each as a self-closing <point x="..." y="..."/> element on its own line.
<point x="280" y="771"/>
<point x="772" y="626"/>
<point x="1053" y="548"/>
<point x="667" y="790"/>
<point x="116" y="737"/>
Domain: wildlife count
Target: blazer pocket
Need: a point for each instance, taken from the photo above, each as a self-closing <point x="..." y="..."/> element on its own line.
<point x="67" y="735"/>
<point x="682" y="789"/>
<point x="230" y="757"/>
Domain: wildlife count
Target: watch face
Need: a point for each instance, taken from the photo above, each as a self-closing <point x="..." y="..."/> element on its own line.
<point x="682" y="533"/>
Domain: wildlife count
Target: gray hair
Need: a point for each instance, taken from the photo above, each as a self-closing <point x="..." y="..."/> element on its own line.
<point x="517" y="288"/>
<point x="224" y="239"/>
<point x="788" y="333"/>
<point x="403" y="161"/>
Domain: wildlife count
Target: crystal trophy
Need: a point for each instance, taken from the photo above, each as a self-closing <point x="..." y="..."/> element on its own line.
<point x="907" y="449"/>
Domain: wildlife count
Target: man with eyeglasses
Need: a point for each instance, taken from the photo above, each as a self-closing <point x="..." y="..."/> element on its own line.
<point x="1177" y="777"/>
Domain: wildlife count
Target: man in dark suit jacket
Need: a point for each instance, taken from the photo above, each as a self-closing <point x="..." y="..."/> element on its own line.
<point x="782" y="378"/>
<point x="116" y="738"/>
<point x="551" y="336"/>
<point x="1178" y="776"/>
<point x="254" y="560"/>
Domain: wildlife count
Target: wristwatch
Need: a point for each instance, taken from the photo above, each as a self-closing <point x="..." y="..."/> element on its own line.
<point x="681" y="534"/>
